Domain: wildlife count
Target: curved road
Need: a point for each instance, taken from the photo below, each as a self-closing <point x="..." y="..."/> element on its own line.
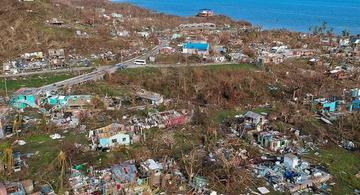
<point x="100" y="72"/>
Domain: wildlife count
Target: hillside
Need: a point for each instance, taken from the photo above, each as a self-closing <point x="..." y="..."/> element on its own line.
<point x="24" y="26"/>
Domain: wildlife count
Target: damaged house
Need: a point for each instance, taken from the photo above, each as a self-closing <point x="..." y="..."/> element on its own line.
<point x="152" y="97"/>
<point x="56" y="57"/>
<point x="110" y="136"/>
<point x="325" y="105"/>
<point x="273" y="140"/>
<point x="291" y="174"/>
<point x="355" y="100"/>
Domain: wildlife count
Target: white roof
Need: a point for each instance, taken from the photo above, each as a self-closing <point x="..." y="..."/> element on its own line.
<point x="152" y="165"/>
<point x="263" y="190"/>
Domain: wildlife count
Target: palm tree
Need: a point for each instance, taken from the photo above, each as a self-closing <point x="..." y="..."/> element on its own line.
<point x="17" y="123"/>
<point x="61" y="159"/>
<point x="9" y="160"/>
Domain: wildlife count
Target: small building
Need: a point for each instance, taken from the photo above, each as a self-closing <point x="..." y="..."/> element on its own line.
<point x="325" y="105"/>
<point x="153" y="170"/>
<point x="172" y="118"/>
<point x="291" y="161"/>
<point x="57" y="53"/>
<point x="110" y="136"/>
<point x="355" y="105"/>
<point x="144" y="34"/>
<point x="56" y="57"/>
<point x="196" y="26"/>
<point x="255" y="118"/>
<point x="273" y="140"/>
<point x="56" y="22"/>
<point x="117" y="16"/>
<point x="78" y="102"/>
<point x="112" y="140"/>
<point x="154" y="98"/>
<point x="196" y="48"/>
<point x="13" y="188"/>
<point x="355" y="93"/>
<point x="205" y="13"/>
<point x="124" y="173"/>
<point x="24" y="97"/>
<point x="166" y="50"/>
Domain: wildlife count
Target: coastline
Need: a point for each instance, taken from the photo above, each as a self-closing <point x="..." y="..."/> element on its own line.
<point x="269" y="19"/>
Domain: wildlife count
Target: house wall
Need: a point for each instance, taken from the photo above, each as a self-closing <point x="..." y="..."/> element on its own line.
<point x="329" y="106"/>
<point x="116" y="140"/>
<point x="356" y="104"/>
<point x="19" y="101"/>
<point x="179" y="120"/>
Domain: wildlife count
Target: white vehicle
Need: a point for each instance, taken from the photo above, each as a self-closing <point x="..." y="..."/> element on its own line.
<point x="140" y="62"/>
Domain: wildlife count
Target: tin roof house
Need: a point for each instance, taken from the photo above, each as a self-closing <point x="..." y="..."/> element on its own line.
<point x="196" y="48"/>
<point x="325" y="105"/>
<point x="110" y="136"/>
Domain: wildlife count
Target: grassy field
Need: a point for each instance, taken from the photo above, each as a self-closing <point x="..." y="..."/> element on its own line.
<point x="221" y="115"/>
<point x="232" y="67"/>
<point x="342" y="165"/>
<point x="34" y="81"/>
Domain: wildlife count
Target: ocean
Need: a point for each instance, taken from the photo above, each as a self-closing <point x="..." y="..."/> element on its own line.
<point x="296" y="15"/>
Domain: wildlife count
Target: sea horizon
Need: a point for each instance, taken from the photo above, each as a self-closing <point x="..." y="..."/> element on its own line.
<point x="294" y="15"/>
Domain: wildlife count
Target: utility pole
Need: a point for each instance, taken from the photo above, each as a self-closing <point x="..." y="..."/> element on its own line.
<point x="6" y="90"/>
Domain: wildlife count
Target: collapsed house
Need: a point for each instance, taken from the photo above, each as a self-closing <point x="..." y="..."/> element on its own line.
<point x="167" y="119"/>
<point x="197" y="26"/>
<point x="17" y="188"/>
<point x="126" y="178"/>
<point x="29" y="98"/>
<point x="56" y="57"/>
<point x="25" y="63"/>
<point x="152" y="97"/>
<point x="273" y="140"/>
<point x="152" y="170"/>
<point x="56" y="22"/>
<point x="292" y="174"/>
<point x="247" y="124"/>
<point x="325" y="105"/>
<point x="23" y="98"/>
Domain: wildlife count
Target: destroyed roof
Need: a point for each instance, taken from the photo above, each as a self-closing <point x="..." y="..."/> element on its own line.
<point x="149" y="95"/>
<point x="290" y="155"/>
<point x="254" y="115"/>
<point x="79" y="100"/>
<point x="125" y="172"/>
<point x="110" y="130"/>
<point x="2" y="189"/>
<point x="150" y="164"/>
<point x="26" y="91"/>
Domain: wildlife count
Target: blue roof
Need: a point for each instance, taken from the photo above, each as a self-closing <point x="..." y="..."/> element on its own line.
<point x="198" y="46"/>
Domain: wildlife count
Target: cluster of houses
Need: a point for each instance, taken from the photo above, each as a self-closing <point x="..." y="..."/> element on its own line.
<point x="349" y="103"/>
<point x="291" y="174"/>
<point x="133" y="131"/>
<point x="281" y="52"/>
<point x="284" y="173"/>
<point x="148" y="176"/>
<point x="36" y="61"/>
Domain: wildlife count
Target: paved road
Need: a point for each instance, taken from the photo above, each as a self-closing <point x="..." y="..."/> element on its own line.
<point x="100" y="72"/>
